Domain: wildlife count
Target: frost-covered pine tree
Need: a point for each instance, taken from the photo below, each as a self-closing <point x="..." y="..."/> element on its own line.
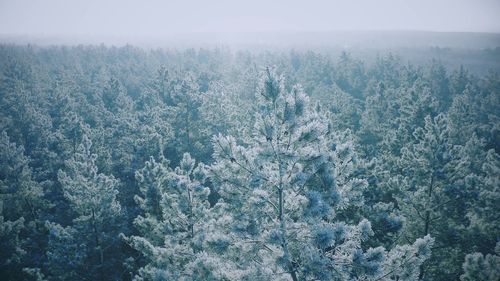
<point x="425" y="167"/>
<point x="153" y="115"/>
<point x="479" y="267"/>
<point x="223" y="111"/>
<point x="439" y="183"/>
<point x="483" y="208"/>
<point x="283" y="188"/>
<point x="175" y="205"/>
<point x="183" y="99"/>
<point x="87" y="245"/>
<point x="21" y="208"/>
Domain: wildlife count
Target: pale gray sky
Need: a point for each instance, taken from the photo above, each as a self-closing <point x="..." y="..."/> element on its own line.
<point x="149" y="18"/>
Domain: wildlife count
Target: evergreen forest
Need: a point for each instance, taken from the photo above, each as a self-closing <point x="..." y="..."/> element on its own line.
<point x="133" y="163"/>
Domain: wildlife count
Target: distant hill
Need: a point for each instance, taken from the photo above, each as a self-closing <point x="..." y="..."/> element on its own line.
<point x="342" y="39"/>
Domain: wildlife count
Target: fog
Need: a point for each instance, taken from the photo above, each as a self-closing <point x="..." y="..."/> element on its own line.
<point x="151" y="19"/>
<point x="259" y="23"/>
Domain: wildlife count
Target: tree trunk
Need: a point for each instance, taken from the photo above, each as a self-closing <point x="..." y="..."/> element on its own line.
<point x="428" y="211"/>
<point x="427" y="222"/>
<point x="99" y="248"/>
<point x="284" y="241"/>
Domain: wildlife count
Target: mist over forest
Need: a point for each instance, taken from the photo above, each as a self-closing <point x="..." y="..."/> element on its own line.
<point x="243" y="143"/>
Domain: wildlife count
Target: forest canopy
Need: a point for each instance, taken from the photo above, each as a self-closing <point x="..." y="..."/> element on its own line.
<point x="123" y="163"/>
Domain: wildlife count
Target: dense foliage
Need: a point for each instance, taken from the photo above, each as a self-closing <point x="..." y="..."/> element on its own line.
<point x="125" y="163"/>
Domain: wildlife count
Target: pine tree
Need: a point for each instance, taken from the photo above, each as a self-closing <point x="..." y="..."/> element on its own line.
<point x="185" y="99"/>
<point x="483" y="209"/>
<point x="222" y="111"/>
<point x="438" y="181"/>
<point x="175" y="205"/>
<point x="93" y="235"/>
<point x="22" y="206"/>
<point x="479" y="267"/>
<point x="283" y="187"/>
<point x="440" y="84"/>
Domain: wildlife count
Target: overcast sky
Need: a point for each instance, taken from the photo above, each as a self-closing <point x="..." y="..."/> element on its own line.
<point x="155" y="18"/>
